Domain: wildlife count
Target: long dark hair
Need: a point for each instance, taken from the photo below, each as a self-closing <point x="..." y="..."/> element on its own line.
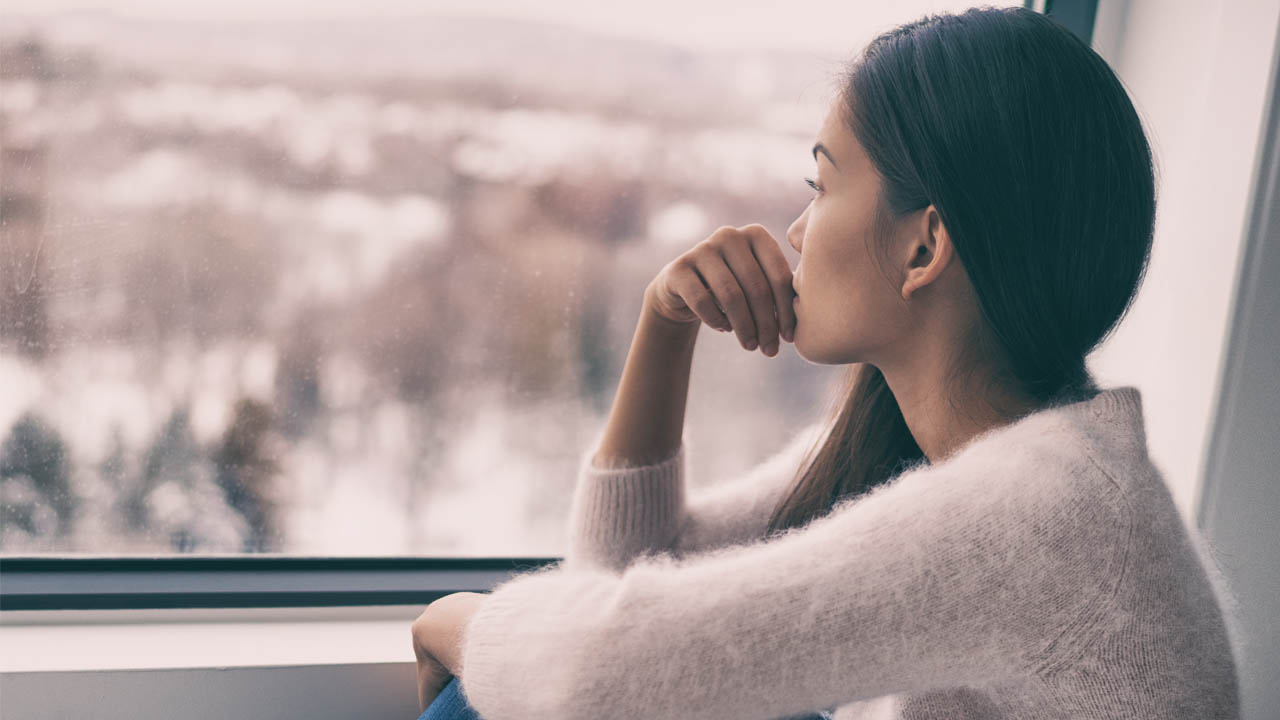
<point x="1029" y="147"/>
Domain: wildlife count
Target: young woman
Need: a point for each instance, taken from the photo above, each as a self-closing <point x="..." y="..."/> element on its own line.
<point x="981" y="532"/>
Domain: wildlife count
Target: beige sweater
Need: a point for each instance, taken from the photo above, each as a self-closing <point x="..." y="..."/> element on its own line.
<point x="1042" y="571"/>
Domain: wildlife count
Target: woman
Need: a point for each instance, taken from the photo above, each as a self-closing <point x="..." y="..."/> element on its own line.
<point x="981" y="533"/>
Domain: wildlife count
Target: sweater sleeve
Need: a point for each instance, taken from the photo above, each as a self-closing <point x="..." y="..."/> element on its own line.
<point x="948" y="576"/>
<point x="619" y="514"/>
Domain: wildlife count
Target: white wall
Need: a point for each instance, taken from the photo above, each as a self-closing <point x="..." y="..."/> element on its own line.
<point x="1197" y="72"/>
<point x="1241" y="490"/>
<point x="1201" y="75"/>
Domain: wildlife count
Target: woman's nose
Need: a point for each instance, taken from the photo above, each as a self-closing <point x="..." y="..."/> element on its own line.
<point x="795" y="233"/>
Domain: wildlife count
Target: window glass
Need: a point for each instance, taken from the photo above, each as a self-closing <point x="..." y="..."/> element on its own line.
<point x="299" y="278"/>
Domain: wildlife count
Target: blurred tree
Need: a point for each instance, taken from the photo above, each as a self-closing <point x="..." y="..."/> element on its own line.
<point x="114" y="465"/>
<point x="172" y="455"/>
<point x="297" y="379"/>
<point x="35" y="452"/>
<point x="113" y="471"/>
<point x="248" y="469"/>
<point x="177" y="497"/>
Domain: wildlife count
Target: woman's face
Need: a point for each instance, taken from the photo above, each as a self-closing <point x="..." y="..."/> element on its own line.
<point x="846" y="309"/>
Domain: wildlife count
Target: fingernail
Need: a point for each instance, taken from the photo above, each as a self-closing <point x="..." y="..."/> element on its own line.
<point x="751" y="344"/>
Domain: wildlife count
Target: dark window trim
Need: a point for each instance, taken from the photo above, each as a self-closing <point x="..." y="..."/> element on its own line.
<point x="251" y="581"/>
<point x="1076" y="15"/>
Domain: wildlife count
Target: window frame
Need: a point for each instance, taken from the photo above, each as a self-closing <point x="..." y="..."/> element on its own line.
<point x="1078" y="16"/>
<point x="249" y="581"/>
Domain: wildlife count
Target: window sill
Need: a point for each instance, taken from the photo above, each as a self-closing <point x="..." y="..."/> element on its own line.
<point x="196" y="664"/>
<point x="68" y="640"/>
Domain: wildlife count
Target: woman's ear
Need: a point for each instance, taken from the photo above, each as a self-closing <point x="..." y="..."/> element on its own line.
<point x="928" y="251"/>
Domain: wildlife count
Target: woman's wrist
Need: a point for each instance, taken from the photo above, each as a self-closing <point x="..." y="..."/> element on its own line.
<point x="654" y="320"/>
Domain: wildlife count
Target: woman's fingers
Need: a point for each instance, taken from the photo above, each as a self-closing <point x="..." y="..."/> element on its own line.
<point x="759" y="294"/>
<point x="693" y="289"/>
<point x="778" y="271"/>
<point x="730" y="295"/>
<point x="737" y="279"/>
<point x="764" y="277"/>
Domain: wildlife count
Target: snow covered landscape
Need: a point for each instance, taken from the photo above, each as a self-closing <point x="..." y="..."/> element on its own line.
<point x="363" y="288"/>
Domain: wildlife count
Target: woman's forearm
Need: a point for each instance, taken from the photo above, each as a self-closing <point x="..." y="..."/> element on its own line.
<point x="646" y="423"/>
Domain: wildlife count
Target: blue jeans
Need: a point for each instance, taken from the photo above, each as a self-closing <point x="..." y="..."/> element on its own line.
<point x="451" y="704"/>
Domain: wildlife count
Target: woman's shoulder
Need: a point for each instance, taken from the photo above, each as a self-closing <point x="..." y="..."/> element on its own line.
<point x="1075" y="448"/>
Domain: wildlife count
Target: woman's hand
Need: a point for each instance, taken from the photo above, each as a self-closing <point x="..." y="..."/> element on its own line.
<point x="737" y="279"/>
<point x="437" y="642"/>
<point x="432" y="677"/>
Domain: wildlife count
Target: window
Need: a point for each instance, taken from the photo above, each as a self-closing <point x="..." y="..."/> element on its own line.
<point x="280" y="279"/>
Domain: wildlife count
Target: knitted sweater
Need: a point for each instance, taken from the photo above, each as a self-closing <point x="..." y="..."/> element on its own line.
<point x="1040" y="571"/>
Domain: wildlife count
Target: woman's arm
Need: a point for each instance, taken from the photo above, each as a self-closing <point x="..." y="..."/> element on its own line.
<point x="630" y="492"/>
<point x="952" y="575"/>
<point x="618" y="514"/>
<point x="647" y="419"/>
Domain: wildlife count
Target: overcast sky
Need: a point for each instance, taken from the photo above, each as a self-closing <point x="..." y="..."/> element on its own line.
<point x="824" y="26"/>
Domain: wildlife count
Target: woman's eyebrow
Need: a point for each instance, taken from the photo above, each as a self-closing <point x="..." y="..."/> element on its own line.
<point x="820" y="148"/>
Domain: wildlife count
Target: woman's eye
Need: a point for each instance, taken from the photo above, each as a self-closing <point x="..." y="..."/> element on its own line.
<point x="813" y="184"/>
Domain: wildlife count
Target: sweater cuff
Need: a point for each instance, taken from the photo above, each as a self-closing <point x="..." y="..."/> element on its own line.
<point x="482" y="647"/>
<point x="496" y="679"/>
<point x="618" y="513"/>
